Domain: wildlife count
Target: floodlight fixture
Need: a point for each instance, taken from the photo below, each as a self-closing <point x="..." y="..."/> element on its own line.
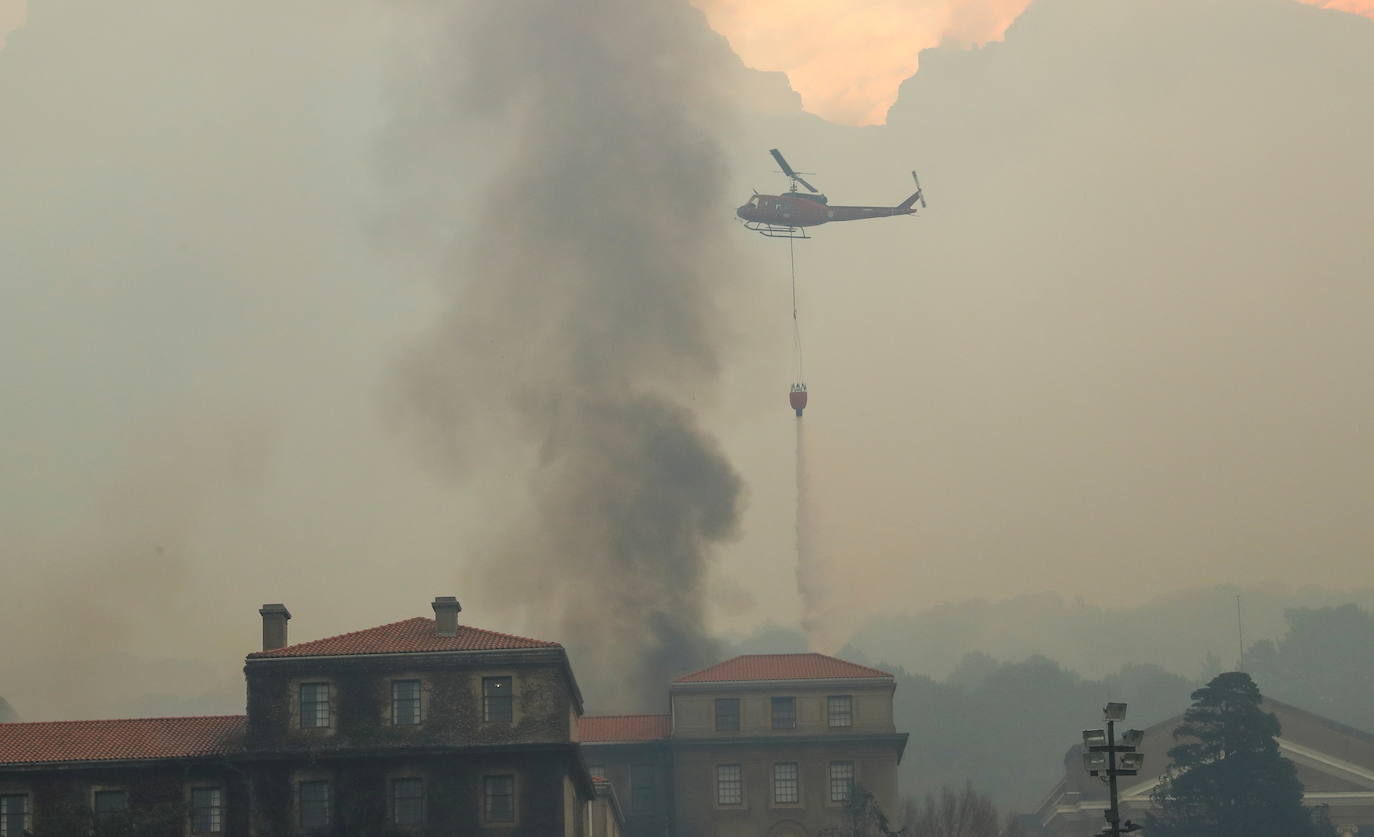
<point x="1132" y="761"/>
<point x="1114" y="712"/>
<point x="1132" y="737"/>
<point x="1094" y="762"/>
<point x="1094" y="738"/>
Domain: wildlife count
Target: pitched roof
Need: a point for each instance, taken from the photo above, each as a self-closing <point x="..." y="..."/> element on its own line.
<point x="781" y="667"/>
<point x="409" y="636"/>
<point x="601" y="729"/>
<point x="120" y="740"/>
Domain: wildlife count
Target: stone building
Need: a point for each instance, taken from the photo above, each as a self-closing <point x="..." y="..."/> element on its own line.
<point x="428" y="727"/>
<point x="764" y="744"/>
<point x="420" y="727"/>
<point x="1335" y="765"/>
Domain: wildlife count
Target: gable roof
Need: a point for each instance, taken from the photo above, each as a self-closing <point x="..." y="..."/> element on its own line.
<point x="409" y="636"/>
<point x="129" y="739"/>
<point x="782" y="667"/>
<point x="602" y="729"/>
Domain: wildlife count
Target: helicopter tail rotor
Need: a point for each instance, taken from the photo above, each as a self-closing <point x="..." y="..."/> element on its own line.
<point x="920" y="195"/>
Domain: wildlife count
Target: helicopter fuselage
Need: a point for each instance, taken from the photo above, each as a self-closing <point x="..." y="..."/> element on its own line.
<point x="795" y="209"/>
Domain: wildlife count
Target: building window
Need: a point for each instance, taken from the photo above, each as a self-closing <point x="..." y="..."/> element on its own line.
<point x="407" y="801"/>
<point x="207" y="810"/>
<point x="727" y="714"/>
<point x="729" y="785"/>
<point x="314" y="704"/>
<point x="841" y="780"/>
<point x="498" y="798"/>
<point x="405" y="702"/>
<point x="784" y="713"/>
<point x="786" y="784"/>
<point x="314" y="804"/>
<point x="110" y="803"/>
<point x="839" y="710"/>
<point x="14" y="814"/>
<point x="496" y="699"/>
<point x="643" y="787"/>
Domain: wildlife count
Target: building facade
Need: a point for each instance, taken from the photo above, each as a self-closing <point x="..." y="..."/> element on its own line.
<point x="428" y="727"/>
<point x="420" y="727"/>
<point x="772" y="745"/>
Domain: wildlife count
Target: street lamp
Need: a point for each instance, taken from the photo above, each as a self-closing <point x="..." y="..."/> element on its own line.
<point x="1099" y="759"/>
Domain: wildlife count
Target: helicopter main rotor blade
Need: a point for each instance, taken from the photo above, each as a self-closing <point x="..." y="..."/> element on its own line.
<point x="787" y="170"/>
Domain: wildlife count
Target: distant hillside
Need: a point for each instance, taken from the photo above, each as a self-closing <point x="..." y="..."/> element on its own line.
<point x="1176" y="631"/>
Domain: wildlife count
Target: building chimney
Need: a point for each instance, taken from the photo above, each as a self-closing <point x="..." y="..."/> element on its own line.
<point x="446" y="615"/>
<point x="274" y="618"/>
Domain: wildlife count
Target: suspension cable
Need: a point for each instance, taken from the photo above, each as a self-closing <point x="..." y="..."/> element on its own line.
<point x="796" y="323"/>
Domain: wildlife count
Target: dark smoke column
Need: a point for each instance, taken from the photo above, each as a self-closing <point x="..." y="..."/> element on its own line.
<point x="582" y="322"/>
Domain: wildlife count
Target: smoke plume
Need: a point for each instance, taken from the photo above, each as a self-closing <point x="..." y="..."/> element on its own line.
<point x="581" y="328"/>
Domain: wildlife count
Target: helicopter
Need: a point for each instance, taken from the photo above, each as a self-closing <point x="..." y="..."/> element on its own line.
<point x="788" y="215"/>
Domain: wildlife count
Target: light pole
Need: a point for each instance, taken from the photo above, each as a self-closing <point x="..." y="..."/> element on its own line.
<point x="1100" y="760"/>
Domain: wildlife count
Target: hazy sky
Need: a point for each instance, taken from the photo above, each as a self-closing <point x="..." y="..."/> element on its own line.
<point x="1125" y="350"/>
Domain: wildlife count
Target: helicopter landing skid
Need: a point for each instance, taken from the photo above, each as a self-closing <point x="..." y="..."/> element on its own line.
<point x="774" y="231"/>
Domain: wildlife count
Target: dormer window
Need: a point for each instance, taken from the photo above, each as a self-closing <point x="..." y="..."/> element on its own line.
<point x="784" y="713"/>
<point x="314" y="705"/>
<point x="405" y="702"/>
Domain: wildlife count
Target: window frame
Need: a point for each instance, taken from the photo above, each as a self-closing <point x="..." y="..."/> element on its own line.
<point x="316" y="704"/>
<point x="26" y="815"/>
<point x="830" y="780"/>
<point x="718" y="715"/>
<point x="722" y="783"/>
<point x="416" y="702"/>
<point x="489" y="701"/>
<point x="650" y="789"/>
<point x="488" y="780"/>
<point x="794" y="783"/>
<point x="215" y="812"/>
<point x="394" y="798"/>
<point x="328" y="809"/>
<point x="831" y="714"/>
<point x="98" y="792"/>
<point x="791" y="714"/>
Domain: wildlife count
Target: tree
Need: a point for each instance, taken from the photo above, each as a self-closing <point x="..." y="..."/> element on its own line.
<point x="1320" y="663"/>
<point x="1226" y="777"/>
<point x="962" y="813"/>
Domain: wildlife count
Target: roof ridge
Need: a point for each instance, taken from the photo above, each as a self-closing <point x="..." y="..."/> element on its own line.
<point x="412" y="621"/>
<point x="346" y="634"/>
<point x="125" y="720"/>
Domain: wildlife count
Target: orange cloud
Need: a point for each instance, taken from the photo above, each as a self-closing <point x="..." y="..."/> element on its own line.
<point x="11" y="17"/>
<point x="1356" y="7"/>
<point x="846" y="58"/>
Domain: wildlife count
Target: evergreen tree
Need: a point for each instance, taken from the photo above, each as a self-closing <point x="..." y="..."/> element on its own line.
<point x="1226" y="777"/>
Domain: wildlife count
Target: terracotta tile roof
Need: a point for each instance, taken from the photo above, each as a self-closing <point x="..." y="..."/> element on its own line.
<point x="780" y="667"/>
<point x="408" y="636"/>
<point x="599" y="729"/>
<point x="122" y="740"/>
